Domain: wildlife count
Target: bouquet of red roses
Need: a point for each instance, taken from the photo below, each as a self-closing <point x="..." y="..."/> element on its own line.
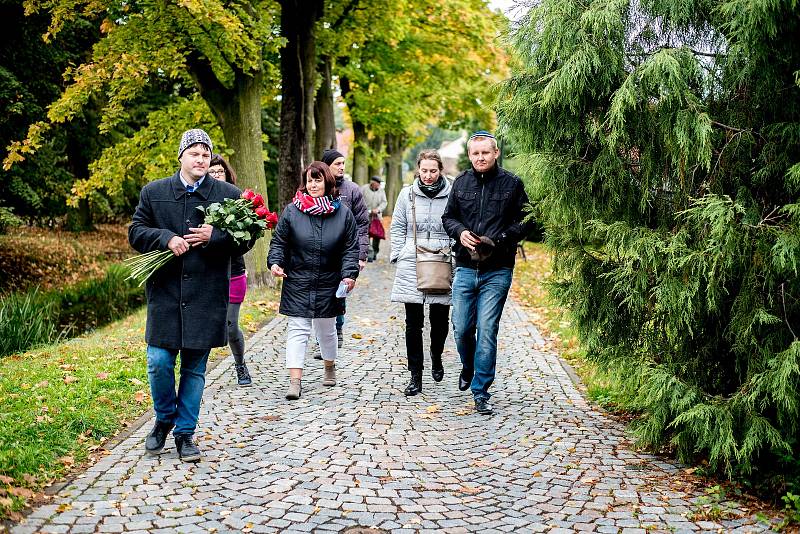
<point x="244" y="218"/>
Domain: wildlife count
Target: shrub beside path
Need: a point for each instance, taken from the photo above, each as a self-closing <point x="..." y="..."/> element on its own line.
<point x="362" y="455"/>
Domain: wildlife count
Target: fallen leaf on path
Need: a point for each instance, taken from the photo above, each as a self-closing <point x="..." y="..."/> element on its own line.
<point x="471" y="490"/>
<point x="6" y="480"/>
<point x="433" y="408"/>
<point x="69" y="379"/>
<point x="139" y="396"/>
<point x="102" y="376"/>
<point x="136" y="381"/>
<point x="357" y="336"/>
<point x="25" y="493"/>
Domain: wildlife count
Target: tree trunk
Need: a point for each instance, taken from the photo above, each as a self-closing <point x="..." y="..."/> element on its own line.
<point x="394" y="168"/>
<point x="360" y="142"/>
<point x="375" y="162"/>
<point x="297" y="21"/>
<point x="242" y="130"/>
<point x="308" y="42"/>
<point x="325" y="134"/>
<point x="238" y="112"/>
<point x="360" y="139"/>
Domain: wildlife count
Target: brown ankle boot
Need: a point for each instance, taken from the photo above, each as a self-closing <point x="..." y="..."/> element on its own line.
<point x="293" y="393"/>
<point x="330" y="374"/>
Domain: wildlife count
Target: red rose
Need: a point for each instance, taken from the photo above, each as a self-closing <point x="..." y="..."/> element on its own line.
<point x="258" y="201"/>
<point x="262" y="212"/>
<point x="272" y="219"/>
<point x="248" y="194"/>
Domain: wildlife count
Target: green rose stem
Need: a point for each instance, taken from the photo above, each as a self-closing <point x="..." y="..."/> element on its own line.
<point x="146" y="264"/>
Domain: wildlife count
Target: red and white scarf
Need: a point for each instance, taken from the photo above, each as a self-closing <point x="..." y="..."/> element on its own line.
<point x="324" y="205"/>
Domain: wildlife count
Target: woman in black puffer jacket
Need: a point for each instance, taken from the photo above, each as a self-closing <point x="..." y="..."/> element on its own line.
<point x="314" y="248"/>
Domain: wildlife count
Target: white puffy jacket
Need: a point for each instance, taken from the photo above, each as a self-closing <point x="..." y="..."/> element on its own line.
<point x="430" y="234"/>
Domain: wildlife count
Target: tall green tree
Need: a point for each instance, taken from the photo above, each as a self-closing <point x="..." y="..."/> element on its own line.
<point x="217" y="47"/>
<point x="660" y="141"/>
<point x="30" y="79"/>
<point x="436" y="67"/>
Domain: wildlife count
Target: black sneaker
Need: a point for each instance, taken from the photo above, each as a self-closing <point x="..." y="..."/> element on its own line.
<point x="157" y="437"/>
<point x="483" y="407"/>
<point x="243" y="375"/>
<point x="187" y="450"/>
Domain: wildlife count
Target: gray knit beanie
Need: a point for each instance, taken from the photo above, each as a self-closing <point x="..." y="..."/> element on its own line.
<point x="193" y="137"/>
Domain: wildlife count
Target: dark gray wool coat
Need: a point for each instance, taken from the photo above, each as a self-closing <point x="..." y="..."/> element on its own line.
<point x="350" y="196"/>
<point x="187" y="299"/>
<point x="316" y="253"/>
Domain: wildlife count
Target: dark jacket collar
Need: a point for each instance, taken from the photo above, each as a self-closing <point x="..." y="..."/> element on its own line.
<point x="488" y="175"/>
<point x="178" y="189"/>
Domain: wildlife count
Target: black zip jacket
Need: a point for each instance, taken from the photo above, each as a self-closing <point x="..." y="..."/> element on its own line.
<point x="490" y="204"/>
<point x="316" y="253"/>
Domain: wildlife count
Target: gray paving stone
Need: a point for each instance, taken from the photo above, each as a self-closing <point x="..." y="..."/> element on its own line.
<point x="361" y="453"/>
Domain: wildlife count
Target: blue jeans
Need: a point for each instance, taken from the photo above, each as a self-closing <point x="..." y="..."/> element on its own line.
<point x="478" y="300"/>
<point x="182" y="408"/>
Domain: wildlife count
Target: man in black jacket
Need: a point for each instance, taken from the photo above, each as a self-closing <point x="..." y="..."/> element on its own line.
<point x="187" y="299"/>
<point x="484" y="215"/>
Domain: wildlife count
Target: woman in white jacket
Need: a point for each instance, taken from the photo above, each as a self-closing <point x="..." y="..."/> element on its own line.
<point x="429" y="193"/>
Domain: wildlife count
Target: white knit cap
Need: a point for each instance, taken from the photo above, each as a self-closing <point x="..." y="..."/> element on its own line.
<point x="192" y="137"/>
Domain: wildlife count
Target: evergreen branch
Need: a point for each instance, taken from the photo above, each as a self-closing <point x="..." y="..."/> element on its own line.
<point x="734" y="129"/>
<point x="785" y="316"/>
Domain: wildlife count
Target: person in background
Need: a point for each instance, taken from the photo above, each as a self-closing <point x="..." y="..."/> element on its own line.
<point x="220" y="169"/>
<point x="485" y="216"/>
<point x="429" y="193"/>
<point x="350" y="196"/>
<point x="375" y="200"/>
<point x="314" y="249"/>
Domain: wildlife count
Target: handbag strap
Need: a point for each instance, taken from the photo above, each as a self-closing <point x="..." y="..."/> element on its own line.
<point x="413" y="215"/>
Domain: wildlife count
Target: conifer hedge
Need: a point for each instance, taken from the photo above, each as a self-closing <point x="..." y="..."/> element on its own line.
<point x="660" y="143"/>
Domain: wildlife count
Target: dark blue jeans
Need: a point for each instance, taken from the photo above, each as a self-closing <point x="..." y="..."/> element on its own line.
<point x="182" y="408"/>
<point x="478" y="300"/>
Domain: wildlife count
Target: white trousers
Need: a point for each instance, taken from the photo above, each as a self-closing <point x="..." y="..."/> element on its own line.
<point x="298" y="332"/>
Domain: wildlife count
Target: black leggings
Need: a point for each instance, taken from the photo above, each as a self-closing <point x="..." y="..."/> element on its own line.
<point x="439" y="315"/>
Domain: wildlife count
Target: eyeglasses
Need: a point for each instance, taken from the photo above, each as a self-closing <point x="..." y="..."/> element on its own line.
<point x="219" y="172"/>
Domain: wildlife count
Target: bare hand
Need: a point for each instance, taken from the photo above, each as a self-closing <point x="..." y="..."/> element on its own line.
<point x="199" y="236"/>
<point x="178" y="245"/>
<point x="277" y="271"/>
<point x="468" y="240"/>
<point x="350" y="283"/>
<point x="361" y="265"/>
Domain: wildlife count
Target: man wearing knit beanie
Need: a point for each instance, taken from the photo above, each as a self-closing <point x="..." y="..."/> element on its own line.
<point x="187" y="299"/>
<point x="350" y="195"/>
<point x="330" y="155"/>
<point x="194" y="137"/>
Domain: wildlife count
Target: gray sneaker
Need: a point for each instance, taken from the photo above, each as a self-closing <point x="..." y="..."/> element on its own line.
<point x="340" y="337"/>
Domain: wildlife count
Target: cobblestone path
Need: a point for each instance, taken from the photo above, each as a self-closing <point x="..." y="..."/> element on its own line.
<point x="362" y="455"/>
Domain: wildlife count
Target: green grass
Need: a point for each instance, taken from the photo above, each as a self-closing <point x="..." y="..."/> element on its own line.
<point x="530" y="278"/>
<point x="62" y="402"/>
